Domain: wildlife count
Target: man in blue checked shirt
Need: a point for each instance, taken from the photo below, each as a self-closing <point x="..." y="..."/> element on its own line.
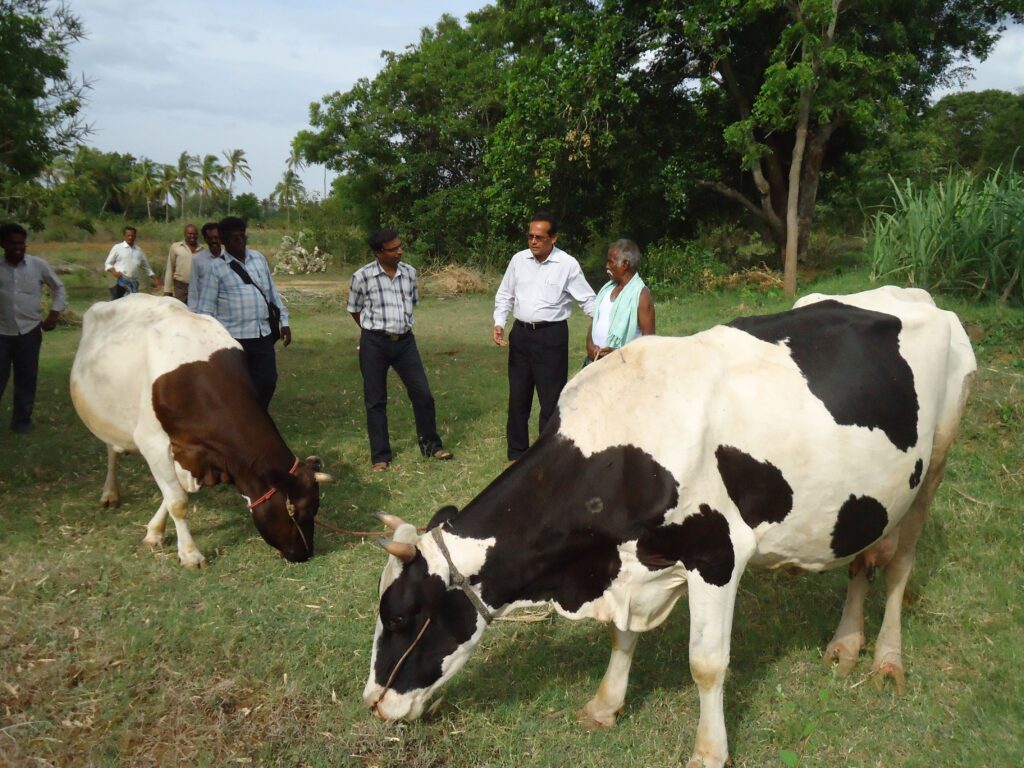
<point x="381" y="299"/>
<point x="238" y="290"/>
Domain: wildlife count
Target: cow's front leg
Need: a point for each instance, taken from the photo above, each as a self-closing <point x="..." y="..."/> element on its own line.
<point x="155" y="529"/>
<point x="601" y="710"/>
<point x="157" y="451"/>
<point x="111" y="496"/>
<point x="711" y="610"/>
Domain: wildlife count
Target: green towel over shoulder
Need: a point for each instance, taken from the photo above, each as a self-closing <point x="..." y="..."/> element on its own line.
<point x="622" y="328"/>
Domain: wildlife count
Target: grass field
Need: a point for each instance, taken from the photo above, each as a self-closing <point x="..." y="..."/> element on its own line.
<point x="113" y="655"/>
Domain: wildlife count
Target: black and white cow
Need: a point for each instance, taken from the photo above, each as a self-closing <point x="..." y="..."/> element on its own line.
<point x="812" y="438"/>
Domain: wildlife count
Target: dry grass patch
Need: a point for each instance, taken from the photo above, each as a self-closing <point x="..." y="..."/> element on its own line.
<point x="457" y="280"/>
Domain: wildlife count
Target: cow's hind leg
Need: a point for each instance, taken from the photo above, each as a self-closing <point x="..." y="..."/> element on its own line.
<point x="888" y="660"/>
<point x="601" y="710"/>
<point x="111" y="496"/>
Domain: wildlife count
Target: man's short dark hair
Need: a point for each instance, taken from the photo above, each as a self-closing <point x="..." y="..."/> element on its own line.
<point x="380" y="237"/>
<point x="130" y="229"/>
<point x="208" y="226"/>
<point x="12" y="229"/>
<point x="550" y="218"/>
<point x="230" y="224"/>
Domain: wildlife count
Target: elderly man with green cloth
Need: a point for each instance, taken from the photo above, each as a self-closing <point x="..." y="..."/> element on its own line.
<point x="624" y="308"/>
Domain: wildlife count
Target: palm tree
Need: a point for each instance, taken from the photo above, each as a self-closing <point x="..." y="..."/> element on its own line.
<point x="237" y="165"/>
<point x="145" y="184"/>
<point x="288" y="191"/>
<point x="208" y="177"/>
<point x="168" y="184"/>
<point x="295" y="161"/>
<point x="186" y="178"/>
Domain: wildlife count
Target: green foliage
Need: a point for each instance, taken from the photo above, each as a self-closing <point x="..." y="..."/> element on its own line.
<point x="694" y="266"/>
<point x="963" y="236"/>
<point x="247" y="205"/>
<point x="39" y="98"/>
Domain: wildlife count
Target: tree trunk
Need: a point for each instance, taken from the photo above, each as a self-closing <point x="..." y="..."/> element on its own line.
<point x="792" y="204"/>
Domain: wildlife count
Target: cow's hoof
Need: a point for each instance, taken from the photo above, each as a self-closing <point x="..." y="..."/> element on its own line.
<point x="153" y="543"/>
<point x="708" y="762"/>
<point x="195" y="560"/>
<point x="893" y="669"/>
<point x="844" y="653"/>
<point x="109" y="501"/>
<point x="593" y="720"/>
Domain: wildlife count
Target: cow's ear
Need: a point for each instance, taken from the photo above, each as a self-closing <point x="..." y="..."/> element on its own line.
<point x="442" y="516"/>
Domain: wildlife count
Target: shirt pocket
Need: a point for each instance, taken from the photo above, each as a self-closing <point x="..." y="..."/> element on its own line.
<point x="551" y="291"/>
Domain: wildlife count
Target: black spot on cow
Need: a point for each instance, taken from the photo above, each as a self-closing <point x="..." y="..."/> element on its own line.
<point x="861" y="522"/>
<point x="558" y="518"/>
<point x="851" y="360"/>
<point x="915" y="478"/>
<point x="757" y="488"/>
<point x="701" y="543"/>
<point x="405" y="606"/>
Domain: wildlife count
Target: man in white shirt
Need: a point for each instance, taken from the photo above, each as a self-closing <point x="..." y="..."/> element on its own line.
<point x="21" y="324"/>
<point x="201" y="262"/>
<point x="539" y="287"/>
<point x="127" y="262"/>
<point x="179" y="264"/>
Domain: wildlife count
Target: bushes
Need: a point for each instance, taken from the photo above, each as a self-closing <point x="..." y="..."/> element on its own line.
<point x="963" y="236"/>
<point x="293" y="258"/>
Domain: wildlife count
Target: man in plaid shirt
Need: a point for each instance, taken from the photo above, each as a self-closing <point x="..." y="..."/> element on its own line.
<point x="381" y="299"/>
<point x="242" y="308"/>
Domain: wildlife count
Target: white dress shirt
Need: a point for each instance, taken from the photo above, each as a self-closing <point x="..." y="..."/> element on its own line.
<point x="542" y="291"/>
<point x="129" y="260"/>
<point x="21" y="291"/>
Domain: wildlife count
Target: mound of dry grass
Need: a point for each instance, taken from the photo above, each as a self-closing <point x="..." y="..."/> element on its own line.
<point x="456" y="280"/>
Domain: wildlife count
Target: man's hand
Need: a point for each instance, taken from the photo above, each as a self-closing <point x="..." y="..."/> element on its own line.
<point x="286" y="335"/>
<point x="499" y="336"/>
<point x="50" y="322"/>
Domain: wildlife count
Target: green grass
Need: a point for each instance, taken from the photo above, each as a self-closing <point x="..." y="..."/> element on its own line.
<point x="113" y="655"/>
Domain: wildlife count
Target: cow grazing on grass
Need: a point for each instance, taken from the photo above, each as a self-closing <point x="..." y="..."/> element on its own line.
<point x="152" y="377"/>
<point x="812" y="438"/>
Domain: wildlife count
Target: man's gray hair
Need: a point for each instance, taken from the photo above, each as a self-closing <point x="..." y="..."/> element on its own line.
<point x="627" y="251"/>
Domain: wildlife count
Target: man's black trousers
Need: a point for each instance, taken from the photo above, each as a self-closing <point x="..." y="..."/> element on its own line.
<point x="22" y="354"/>
<point x="538" y="358"/>
<point x="261" y="361"/>
<point x="378" y="352"/>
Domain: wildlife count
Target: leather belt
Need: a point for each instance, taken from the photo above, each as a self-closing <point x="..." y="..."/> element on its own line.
<point x="540" y="324"/>
<point x="388" y="336"/>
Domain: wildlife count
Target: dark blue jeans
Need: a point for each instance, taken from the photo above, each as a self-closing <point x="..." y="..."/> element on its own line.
<point x="377" y="353"/>
<point x="21" y="353"/>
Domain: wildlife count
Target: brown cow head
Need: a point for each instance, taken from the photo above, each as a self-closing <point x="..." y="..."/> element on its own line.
<point x="285" y="520"/>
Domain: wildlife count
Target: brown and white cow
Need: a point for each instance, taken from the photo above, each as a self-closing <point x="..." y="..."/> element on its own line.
<point x="812" y="438"/>
<point x="152" y="377"/>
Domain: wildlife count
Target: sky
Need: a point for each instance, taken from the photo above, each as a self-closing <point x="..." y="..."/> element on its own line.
<point x="204" y="76"/>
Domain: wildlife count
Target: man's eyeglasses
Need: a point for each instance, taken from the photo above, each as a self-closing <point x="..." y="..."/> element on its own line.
<point x="398" y="247"/>
<point x="531" y="237"/>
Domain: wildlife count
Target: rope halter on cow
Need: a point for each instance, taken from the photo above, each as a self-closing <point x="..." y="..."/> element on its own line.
<point x="288" y="505"/>
<point x="459" y="580"/>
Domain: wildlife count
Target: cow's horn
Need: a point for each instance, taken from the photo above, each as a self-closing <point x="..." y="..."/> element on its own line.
<point x="404" y="552"/>
<point x="315" y="463"/>
<point x="391" y="521"/>
<point x="323" y="478"/>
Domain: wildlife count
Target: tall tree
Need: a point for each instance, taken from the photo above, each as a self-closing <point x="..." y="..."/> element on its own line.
<point x="145" y="184"/>
<point x="167" y="187"/>
<point x="40" y="100"/>
<point x="799" y="73"/>
<point x="208" y="176"/>
<point x="187" y="176"/>
<point x="235" y="165"/>
<point x="289" y="191"/>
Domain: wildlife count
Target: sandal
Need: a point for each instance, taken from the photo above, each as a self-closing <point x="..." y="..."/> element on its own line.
<point x="381" y="466"/>
<point x="443" y="454"/>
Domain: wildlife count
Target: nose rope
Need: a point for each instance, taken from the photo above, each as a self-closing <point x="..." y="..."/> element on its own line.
<point x="398" y="664"/>
<point x="291" y="514"/>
